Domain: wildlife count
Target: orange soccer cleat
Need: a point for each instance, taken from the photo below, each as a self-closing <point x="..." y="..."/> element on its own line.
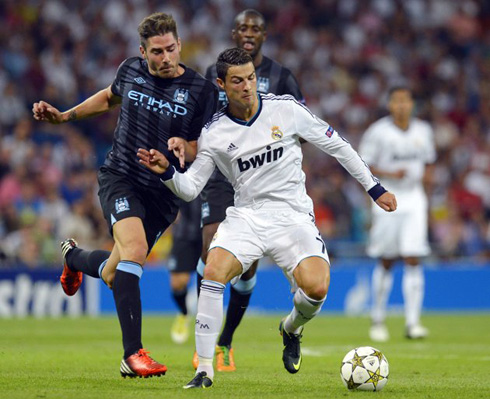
<point x="141" y="365"/>
<point x="224" y="359"/>
<point x="70" y="280"/>
<point x="195" y="360"/>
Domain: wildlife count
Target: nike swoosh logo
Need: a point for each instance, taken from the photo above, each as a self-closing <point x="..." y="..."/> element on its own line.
<point x="296" y="365"/>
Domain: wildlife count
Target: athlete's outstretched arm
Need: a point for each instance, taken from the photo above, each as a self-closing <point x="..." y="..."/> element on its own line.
<point x="100" y="102"/>
<point x="186" y="185"/>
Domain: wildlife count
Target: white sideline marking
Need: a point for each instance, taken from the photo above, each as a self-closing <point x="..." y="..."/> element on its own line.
<point x="325" y="351"/>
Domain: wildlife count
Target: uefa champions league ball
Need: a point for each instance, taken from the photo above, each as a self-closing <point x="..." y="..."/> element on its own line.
<point x="365" y="369"/>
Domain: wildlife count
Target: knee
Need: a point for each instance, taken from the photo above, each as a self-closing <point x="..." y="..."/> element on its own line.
<point x="179" y="281"/>
<point x="318" y="293"/>
<point x="211" y="272"/>
<point x="135" y="251"/>
<point x="319" y="290"/>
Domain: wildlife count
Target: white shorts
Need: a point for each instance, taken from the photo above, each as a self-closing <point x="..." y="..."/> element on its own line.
<point x="285" y="235"/>
<point x="399" y="234"/>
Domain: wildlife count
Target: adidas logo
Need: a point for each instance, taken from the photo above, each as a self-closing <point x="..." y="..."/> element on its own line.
<point x="232" y="147"/>
<point x="139" y="80"/>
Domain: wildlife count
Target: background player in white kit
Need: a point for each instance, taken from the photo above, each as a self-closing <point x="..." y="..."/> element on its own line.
<point x="397" y="148"/>
<point x="255" y="142"/>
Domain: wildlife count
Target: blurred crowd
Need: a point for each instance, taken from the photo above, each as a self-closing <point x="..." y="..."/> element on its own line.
<point x="346" y="54"/>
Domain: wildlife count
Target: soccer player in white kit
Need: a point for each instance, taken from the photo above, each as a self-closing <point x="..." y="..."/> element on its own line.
<point x="255" y="142"/>
<point x="398" y="149"/>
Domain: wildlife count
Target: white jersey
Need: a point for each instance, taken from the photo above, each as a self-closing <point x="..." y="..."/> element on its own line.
<point x="389" y="148"/>
<point x="262" y="157"/>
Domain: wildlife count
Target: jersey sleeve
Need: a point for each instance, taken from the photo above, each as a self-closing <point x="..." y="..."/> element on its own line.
<point x="369" y="147"/>
<point x="211" y="73"/>
<point x="188" y="185"/>
<point x="208" y="105"/>
<point x="291" y="86"/>
<point x="116" y="86"/>
<point x="322" y="135"/>
<point x="430" y="152"/>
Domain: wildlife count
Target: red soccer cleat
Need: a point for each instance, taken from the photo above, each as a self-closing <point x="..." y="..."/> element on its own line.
<point x="70" y="280"/>
<point x="141" y="365"/>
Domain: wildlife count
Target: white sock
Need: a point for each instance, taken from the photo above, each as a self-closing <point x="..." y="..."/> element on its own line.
<point x="304" y="310"/>
<point x="413" y="293"/>
<point x="381" y="283"/>
<point x="208" y="323"/>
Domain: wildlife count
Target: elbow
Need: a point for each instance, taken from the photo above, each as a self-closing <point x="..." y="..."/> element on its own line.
<point x="189" y="197"/>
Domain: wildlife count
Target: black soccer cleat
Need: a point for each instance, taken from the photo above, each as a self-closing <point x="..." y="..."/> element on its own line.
<point x="291" y="354"/>
<point x="200" y="380"/>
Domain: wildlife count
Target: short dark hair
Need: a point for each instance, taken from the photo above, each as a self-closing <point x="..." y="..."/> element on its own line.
<point x="231" y="57"/>
<point x="250" y="11"/>
<point x="156" y="24"/>
<point x="399" y="88"/>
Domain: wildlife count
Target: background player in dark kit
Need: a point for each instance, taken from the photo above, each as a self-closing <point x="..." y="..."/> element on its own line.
<point x="164" y="104"/>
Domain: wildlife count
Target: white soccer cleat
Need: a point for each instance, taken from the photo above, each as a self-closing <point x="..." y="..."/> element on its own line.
<point x="180" y="329"/>
<point x="379" y="333"/>
<point x="416" y="332"/>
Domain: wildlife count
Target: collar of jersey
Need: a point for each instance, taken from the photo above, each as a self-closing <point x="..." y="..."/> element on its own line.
<point x="249" y="122"/>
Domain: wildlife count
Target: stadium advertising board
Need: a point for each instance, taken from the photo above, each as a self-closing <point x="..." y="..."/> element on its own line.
<point x="38" y="293"/>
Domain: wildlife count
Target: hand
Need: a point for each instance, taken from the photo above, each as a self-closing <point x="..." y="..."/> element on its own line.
<point x="153" y="160"/>
<point x="42" y="111"/>
<point x="387" y="201"/>
<point x="177" y="145"/>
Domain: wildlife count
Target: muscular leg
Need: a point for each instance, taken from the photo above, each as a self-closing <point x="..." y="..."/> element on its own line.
<point x="87" y="262"/>
<point x="208" y="232"/>
<point x="312" y="276"/>
<point x="240" y="295"/>
<point x="221" y="267"/>
<point x="132" y="248"/>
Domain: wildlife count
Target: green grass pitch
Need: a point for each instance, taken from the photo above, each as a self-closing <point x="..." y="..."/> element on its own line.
<point x="79" y="358"/>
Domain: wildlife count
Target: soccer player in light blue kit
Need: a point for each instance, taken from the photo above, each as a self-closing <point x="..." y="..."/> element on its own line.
<point x="255" y="142"/>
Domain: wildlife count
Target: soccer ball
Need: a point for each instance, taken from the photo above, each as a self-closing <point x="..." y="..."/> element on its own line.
<point x="364" y="368"/>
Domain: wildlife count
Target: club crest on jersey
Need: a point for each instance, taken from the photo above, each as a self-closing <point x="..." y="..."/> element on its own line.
<point x="121" y="205"/>
<point x="263" y="85"/>
<point x="181" y="96"/>
<point x="276" y="133"/>
<point x="329" y="131"/>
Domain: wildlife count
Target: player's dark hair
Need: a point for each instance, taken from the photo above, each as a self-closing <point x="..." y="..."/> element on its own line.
<point x="156" y="24"/>
<point x="231" y="57"/>
<point x="399" y="88"/>
<point x="251" y="12"/>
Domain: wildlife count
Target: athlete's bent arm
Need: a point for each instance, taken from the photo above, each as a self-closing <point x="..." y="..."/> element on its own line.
<point x="100" y="102"/>
<point x="186" y="185"/>
<point x="323" y="136"/>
